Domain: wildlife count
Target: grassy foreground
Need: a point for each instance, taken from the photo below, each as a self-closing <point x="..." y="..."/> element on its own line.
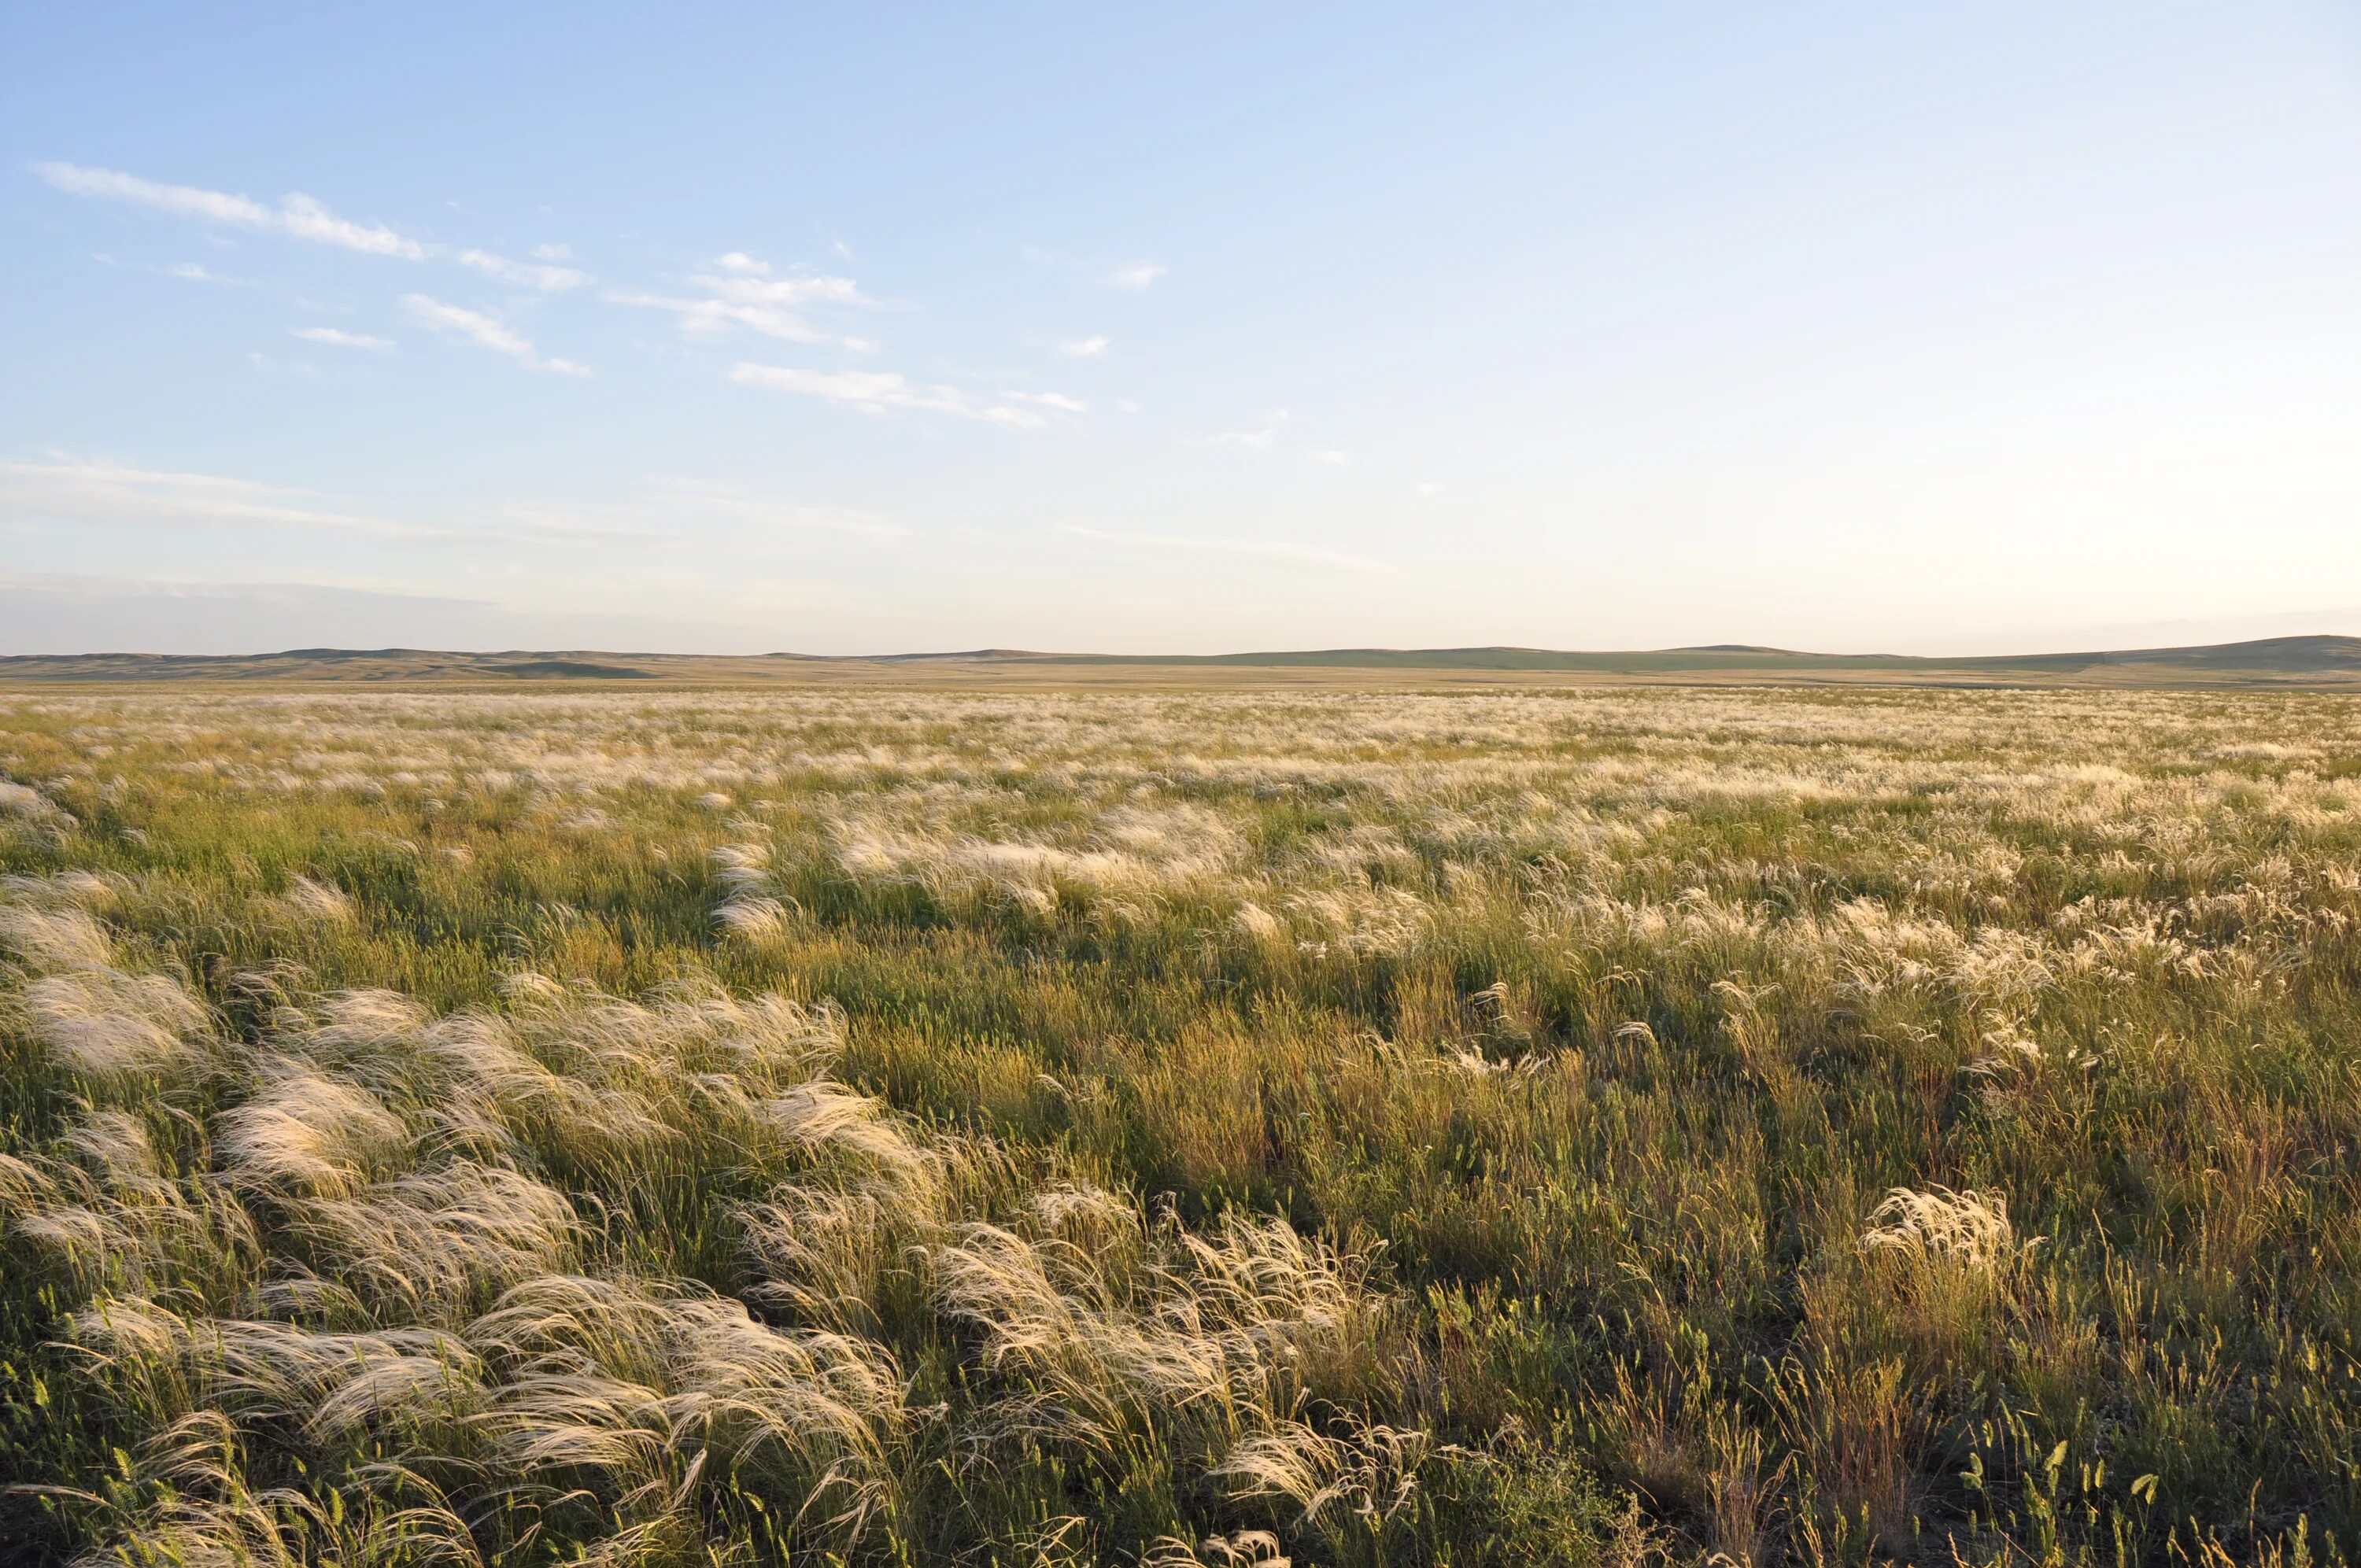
<point x="914" y="1127"/>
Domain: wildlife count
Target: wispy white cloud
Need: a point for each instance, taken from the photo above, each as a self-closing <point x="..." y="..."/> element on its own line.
<point x="1084" y="348"/>
<point x="57" y="613"/>
<point x="798" y="289"/>
<point x="1333" y="457"/>
<point x="741" y="292"/>
<point x="65" y="490"/>
<point x="489" y="331"/>
<point x="297" y="216"/>
<point x="710" y="317"/>
<point x="342" y="339"/>
<point x="1249" y="549"/>
<point x="1056" y="403"/>
<point x="1256" y="440"/>
<point x="304" y="218"/>
<point x="535" y="275"/>
<point x="197" y="273"/>
<point x="672" y="507"/>
<point x="185" y="201"/>
<point x="72" y="492"/>
<point x="879" y="392"/>
<point x="1133" y="276"/>
<point x="705" y="498"/>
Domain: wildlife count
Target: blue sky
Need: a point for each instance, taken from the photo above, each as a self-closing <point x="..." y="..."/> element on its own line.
<point x="867" y="329"/>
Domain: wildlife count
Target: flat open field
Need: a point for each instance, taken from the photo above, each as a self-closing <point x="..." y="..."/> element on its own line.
<point x="1354" y="1126"/>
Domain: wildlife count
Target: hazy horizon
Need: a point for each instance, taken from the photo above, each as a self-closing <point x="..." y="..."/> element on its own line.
<point x="163" y="624"/>
<point x="1845" y="331"/>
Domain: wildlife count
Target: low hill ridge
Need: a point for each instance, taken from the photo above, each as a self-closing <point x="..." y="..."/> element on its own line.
<point x="2309" y="661"/>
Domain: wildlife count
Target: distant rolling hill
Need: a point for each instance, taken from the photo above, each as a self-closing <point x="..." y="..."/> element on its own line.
<point x="2310" y="662"/>
<point x="2326" y="656"/>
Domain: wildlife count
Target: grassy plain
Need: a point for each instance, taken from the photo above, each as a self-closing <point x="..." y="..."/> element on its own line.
<point x="1354" y="1126"/>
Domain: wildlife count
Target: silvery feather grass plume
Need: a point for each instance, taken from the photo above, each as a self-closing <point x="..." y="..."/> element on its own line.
<point x="30" y="809"/>
<point x="1083" y="1371"/>
<point x="741" y="867"/>
<point x="368" y="1033"/>
<point x="1217" y="1333"/>
<point x="309" y="1133"/>
<point x="1370" y="1475"/>
<point x="770" y="1040"/>
<point x="1103" y="1226"/>
<point x="204" y="1513"/>
<point x="112" y="1220"/>
<point x="1969" y="1230"/>
<point x="95" y="1021"/>
<point x="823" y="1256"/>
<point x="432" y="1240"/>
<point x="316" y="904"/>
<point x="618" y="1381"/>
<point x="117" y="1148"/>
<point x="61" y="937"/>
<point x="855" y="1134"/>
<point x="609" y="1085"/>
<point x="752" y="917"/>
<point x="1242" y="1548"/>
<point x="1257" y="924"/>
<point x="74" y="885"/>
<point x="114" y="1029"/>
<point x="139" y="1353"/>
<point x="328" y="1384"/>
<point x="747" y="913"/>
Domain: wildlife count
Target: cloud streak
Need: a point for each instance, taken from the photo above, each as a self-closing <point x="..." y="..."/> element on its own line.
<point x="880" y="391"/>
<point x="1055" y="403"/>
<point x="331" y="335"/>
<point x="672" y="507"/>
<point x="1249" y="549"/>
<point x="297" y="216"/>
<point x="71" y="492"/>
<point x="104" y="493"/>
<point x="486" y="330"/>
<point x="742" y="292"/>
<point x="534" y="275"/>
<point x="1260" y="440"/>
<point x="59" y="613"/>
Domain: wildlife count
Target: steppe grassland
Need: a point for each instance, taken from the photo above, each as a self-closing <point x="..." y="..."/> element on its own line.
<point x="912" y="1127"/>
